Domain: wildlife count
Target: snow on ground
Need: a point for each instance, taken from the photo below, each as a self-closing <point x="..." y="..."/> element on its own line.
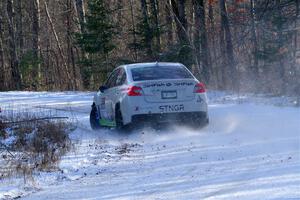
<point x="250" y="150"/>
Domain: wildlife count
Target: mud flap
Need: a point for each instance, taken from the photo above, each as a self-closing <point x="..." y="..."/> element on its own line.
<point x="104" y="122"/>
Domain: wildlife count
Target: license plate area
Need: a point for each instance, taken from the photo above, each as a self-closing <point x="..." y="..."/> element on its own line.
<point x="169" y="94"/>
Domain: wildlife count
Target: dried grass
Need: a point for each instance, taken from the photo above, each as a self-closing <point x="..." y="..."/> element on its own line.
<point x="38" y="145"/>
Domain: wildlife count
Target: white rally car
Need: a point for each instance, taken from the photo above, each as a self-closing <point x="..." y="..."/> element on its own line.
<point x="159" y="92"/>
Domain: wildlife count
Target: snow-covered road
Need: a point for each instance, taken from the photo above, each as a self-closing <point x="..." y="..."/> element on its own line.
<point x="248" y="151"/>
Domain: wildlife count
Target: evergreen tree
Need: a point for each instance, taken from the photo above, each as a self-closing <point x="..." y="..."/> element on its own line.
<point x="96" y="41"/>
<point x="148" y="31"/>
<point x="144" y="34"/>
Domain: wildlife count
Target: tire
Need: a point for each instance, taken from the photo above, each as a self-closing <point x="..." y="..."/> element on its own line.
<point x="119" y="120"/>
<point x="201" y="122"/>
<point x="118" y="117"/>
<point x="207" y="121"/>
<point x="94" y="119"/>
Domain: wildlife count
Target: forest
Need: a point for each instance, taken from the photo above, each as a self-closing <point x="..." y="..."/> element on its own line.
<point x="235" y="45"/>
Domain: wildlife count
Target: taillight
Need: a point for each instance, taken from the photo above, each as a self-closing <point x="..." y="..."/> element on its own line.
<point x="199" y="88"/>
<point x="134" y="91"/>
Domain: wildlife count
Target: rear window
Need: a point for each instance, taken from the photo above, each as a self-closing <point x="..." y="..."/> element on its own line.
<point x="160" y="72"/>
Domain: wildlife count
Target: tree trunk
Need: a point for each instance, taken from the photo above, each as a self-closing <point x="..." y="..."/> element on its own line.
<point x="135" y="54"/>
<point x="66" y="70"/>
<point x="181" y="22"/>
<point x="230" y="67"/>
<point x="202" y="39"/>
<point x="71" y="59"/>
<point x="81" y="14"/>
<point x="223" y="77"/>
<point x="196" y="36"/>
<point x="148" y="37"/>
<point x="49" y="71"/>
<point x="254" y="67"/>
<point x="155" y="14"/>
<point x="297" y="20"/>
<point x="2" y="67"/>
<point x="19" y="27"/>
<point x="297" y="69"/>
<point x="36" y="74"/>
<point x="169" y="23"/>
<point x="119" y="18"/>
<point x="182" y="18"/>
<point x="215" y="71"/>
<point x="186" y="53"/>
<point x="14" y="63"/>
<point x="80" y="10"/>
<point x="279" y="30"/>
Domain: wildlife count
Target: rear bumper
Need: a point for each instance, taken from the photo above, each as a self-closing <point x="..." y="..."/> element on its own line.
<point x="134" y="108"/>
<point x="180" y="117"/>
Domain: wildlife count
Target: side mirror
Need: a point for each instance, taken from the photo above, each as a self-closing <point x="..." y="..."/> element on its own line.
<point x="102" y="88"/>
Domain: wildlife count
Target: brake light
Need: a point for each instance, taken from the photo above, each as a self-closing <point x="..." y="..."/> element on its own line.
<point x="199" y="88"/>
<point x="134" y="91"/>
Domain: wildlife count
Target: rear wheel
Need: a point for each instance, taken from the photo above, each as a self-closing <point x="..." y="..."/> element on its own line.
<point x="200" y="122"/>
<point x="94" y="118"/>
<point x="119" y="120"/>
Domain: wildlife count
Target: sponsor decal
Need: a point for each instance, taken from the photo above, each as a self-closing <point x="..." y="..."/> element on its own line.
<point x="184" y="84"/>
<point x="171" y="108"/>
<point x="168" y="84"/>
<point x="102" y="103"/>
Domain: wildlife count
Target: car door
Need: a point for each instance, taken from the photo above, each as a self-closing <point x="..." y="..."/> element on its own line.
<point x="116" y="93"/>
<point x="119" y="85"/>
<point x="107" y="97"/>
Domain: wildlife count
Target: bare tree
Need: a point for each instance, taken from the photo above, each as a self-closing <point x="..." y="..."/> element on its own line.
<point x="19" y="28"/>
<point x="135" y="54"/>
<point x="297" y="20"/>
<point x="36" y="41"/>
<point x="2" y="67"/>
<point x="254" y="67"/>
<point x="279" y="30"/>
<point x="230" y="72"/>
<point x="66" y="70"/>
<point x="155" y="13"/>
<point x="181" y="24"/>
<point x="14" y="62"/>
<point x="169" y="23"/>
<point x="148" y="35"/>
<point x="212" y="42"/>
<point x="71" y="56"/>
<point x="297" y="73"/>
<point x="81" y="13"/>
<point x="197" y="30"/>
<point x="201" y="39"/>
